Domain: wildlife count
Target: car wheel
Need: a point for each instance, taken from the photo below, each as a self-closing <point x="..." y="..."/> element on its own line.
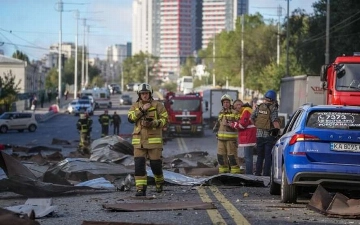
<point x="275" y="188"/>
<point x="21" y="130"/>
<point x="288" y="191"/>
<point x="32" y="128"/>
<point x="3" y="129"/>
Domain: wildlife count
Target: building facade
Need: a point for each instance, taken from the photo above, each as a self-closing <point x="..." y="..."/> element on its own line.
<point x="220" y="15"/>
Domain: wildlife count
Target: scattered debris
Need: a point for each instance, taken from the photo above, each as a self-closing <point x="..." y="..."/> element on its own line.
<point x="158" y="206"/>
<point x="8" y="217"/>
<point x="40" y="206"/>
<point x="334" y="206"/>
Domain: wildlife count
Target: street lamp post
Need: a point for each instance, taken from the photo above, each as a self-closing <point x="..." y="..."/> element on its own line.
<point x="242" y="56"/>
<point x="60" y="5"/>
<point x="83" y="58"/>
<point x="76" y="56"/>
<point x="146" y="70"/>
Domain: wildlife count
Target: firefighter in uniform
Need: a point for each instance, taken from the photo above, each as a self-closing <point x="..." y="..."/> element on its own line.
<point x="105" y="120"/>
<point x="84" y="126"/>
<point x="266" y="120"/>
<point x="227" y="137"/>
<point x="149" y="117"/>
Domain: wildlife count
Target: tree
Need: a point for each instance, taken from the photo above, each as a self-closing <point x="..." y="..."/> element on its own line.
<point x="134" y="68"/>
<point x="20" y="55"/>
<point x="9" y="90"/>
<point x="52" y="79"/>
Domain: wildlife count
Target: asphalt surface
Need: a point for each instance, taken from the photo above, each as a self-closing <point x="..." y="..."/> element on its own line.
<point x="234" y="204"/>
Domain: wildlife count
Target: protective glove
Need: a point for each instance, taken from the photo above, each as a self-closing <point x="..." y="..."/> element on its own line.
<point x="275" y="132"/>
<point x="154" y="123"/>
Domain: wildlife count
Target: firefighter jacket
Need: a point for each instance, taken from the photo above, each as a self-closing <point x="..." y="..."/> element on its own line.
<point x="104" y="119"/>
<point x="264" y="118"/>
<point x="225" y="132"/>
<point x="84" y="125"/>
<point x="149" y="137"/>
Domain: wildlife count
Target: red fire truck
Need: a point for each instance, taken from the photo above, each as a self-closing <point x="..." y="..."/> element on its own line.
<point x="185" y="114"/>
<point x="341" y="80"/>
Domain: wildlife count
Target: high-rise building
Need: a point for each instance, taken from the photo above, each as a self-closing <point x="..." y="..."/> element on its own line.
<point x="176" y="29"/>
<point x="177" y="33"/>
<point x="146" y="27"/>
<point x="219" y="15"/>
<point x="116" y="53"/>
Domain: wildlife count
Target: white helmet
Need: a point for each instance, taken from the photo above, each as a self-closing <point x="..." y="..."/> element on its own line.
<point x="144" y="87"/>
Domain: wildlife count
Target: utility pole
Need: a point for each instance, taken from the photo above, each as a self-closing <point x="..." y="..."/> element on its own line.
<point x="279" y="11"/>
<point x="242" y="56"/>
<point x="83" y="58"/>
<point x="214" y="52"/>
<point x="287" y="39"/>
<point x="76" y="56"/>
<point x="60" y="8"/>
<point x="327" y="54"/>
<point x="146" y="70"/>
<point x="87" y="57"/>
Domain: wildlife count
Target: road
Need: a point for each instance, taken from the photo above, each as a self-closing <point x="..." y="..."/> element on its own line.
<point x="234" y="204"/>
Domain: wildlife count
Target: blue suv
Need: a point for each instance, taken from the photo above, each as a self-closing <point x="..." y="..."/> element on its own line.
<point x="319" y="145"/>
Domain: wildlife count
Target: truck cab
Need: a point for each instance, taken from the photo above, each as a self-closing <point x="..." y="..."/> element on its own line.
<point x="341" y="80"/>
<point x="185" y="114"/>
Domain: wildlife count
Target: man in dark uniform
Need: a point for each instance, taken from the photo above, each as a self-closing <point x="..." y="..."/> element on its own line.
<point x="84" y="126"/>
<point x="105" y="120"/>
<point x="116" y="120"/>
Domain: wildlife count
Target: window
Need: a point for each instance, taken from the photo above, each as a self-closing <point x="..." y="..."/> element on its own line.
<point x="334" y="120"/>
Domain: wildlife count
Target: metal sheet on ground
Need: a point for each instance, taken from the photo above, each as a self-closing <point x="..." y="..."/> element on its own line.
<point x="160" y="206"/>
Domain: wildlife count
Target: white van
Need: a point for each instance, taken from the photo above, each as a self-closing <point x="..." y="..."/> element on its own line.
<point x="101" y="97"/>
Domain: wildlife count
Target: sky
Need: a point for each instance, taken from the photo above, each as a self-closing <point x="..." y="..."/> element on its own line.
<point x="31" y="26"/>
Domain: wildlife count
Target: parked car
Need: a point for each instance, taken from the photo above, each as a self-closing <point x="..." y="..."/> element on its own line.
<point x="19" y="121"/>
<point x="320" y="145"/>
<point x="82" y="106"/>
<point x="90" y="98"/>
<point x="71" y="107"/>
<point x="125" y="100"/>
<point x="115" y="89"/>
<point x="132" y="86"/>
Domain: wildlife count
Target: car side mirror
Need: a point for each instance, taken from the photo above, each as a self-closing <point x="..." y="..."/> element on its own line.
<point x="206" y="105"/>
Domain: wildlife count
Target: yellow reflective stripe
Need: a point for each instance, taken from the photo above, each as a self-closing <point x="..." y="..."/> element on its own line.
<point x="140" y="182"/>
<point x="235" y="169"/>
<point x="135" y="141"/>
<point x="155" y="140"/>
<point x="227" y="135"/>
<point x="223" y="169"/>
<point x="132" y="115"/>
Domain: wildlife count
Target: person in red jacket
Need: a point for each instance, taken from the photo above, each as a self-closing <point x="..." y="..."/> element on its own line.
<point x="247" y="133"/>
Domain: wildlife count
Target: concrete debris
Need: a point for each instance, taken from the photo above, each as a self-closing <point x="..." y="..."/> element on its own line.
<point x="41" y="206"/>
<point x="158" y="206"/>
<point x="334" y="206"/>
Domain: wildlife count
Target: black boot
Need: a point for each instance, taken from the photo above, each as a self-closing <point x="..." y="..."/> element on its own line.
<point x="159" y="187"/>
<point x="141" y="191"/>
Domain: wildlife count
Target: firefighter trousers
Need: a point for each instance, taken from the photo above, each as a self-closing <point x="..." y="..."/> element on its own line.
<point x="140" y="157"/>
<point x="227" y="156"/>
<point x="104" y="130"/>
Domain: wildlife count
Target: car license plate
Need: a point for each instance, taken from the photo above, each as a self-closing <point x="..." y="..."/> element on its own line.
<point x="185" y="127"/>
<point x="345" y="147"/>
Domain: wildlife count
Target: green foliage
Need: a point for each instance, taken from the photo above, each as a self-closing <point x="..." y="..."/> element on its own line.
<point x="171" y="86"/>
<point x="187" y="68"/>
<point x="134" y="68"/>
<point x="52" y="79"/>
<point x="20" y="55"/>
<point x="9" y="90"/>
<point x="98" y="81"/>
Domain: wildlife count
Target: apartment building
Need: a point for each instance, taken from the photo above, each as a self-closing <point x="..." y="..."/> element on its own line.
<point x="176" y="29"/>
<point x="116" y="53"/>
<point x="220" y="15"/>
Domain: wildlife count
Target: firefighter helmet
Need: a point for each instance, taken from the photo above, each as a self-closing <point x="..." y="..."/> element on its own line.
<point x="271" y="94"/>
<point x="226" y="97"/>
<point x="82" y="116"/>
<point x="144" y="87"/>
